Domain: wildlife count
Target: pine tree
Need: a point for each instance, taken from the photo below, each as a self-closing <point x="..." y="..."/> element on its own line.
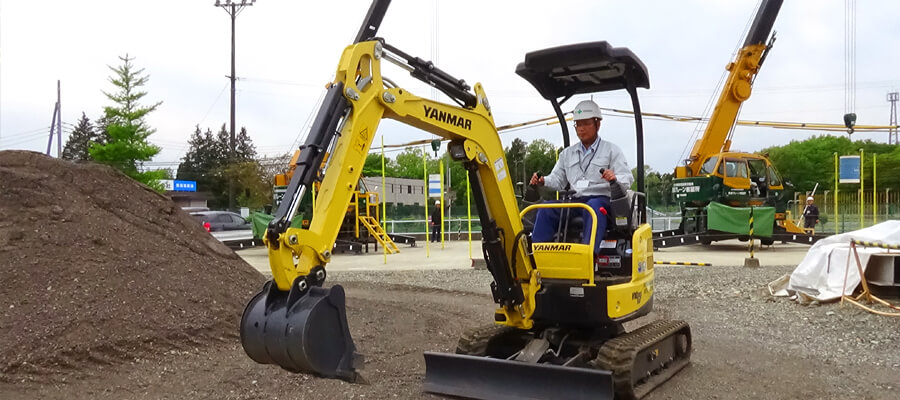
<point x="127" y="147"/>
<point x="243" y="147"/>
<point x="221" y="145"/>
<point x="203" y="164"/>
<point x="208" y="163"/>
<point x="80" y="140"/>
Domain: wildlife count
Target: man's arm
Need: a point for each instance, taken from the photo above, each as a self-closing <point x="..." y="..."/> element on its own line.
<point x="557" y="178"/>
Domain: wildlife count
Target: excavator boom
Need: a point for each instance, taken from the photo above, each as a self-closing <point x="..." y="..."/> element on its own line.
<point x="275" y="324"/>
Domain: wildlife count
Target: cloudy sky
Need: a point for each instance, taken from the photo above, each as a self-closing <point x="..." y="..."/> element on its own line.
<point x="287" y="50"/>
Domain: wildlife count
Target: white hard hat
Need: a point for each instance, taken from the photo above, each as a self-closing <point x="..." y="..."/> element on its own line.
<point x="810" y="198"/>
<point x="437" y="202"/>
<point x="587" y="109"/>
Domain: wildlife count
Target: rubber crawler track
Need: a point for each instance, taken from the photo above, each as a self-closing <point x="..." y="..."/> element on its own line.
<point x="618" y="355"/>
<point x="474" y="342"/>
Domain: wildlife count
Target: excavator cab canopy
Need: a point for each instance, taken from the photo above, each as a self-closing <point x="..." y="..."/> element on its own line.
<point x="564" y="71"/>
<point x="558" y="73"/>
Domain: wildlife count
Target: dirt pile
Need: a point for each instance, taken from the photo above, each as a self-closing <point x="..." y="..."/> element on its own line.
<point x="96" y="269"/>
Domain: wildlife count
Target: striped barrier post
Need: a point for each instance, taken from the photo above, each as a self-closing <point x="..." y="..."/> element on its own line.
<point x="751" y="262"/>
<point x="698" y="264"/>
<point x="881" y="245"/>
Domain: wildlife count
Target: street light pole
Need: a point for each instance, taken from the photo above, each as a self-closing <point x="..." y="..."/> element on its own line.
<point x="233" y="8"/>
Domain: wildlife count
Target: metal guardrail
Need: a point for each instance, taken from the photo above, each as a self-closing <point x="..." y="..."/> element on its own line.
<point x="237" y="239"/>
<point x="455" y="226"/>
<point x="460" y="225"/>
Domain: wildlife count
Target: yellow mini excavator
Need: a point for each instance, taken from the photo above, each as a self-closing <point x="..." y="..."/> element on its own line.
<point x="565" y="327"/>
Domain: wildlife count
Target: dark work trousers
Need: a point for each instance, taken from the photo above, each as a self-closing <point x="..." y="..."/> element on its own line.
<point x="436" y="232"/>
<point x="547" y="220"/>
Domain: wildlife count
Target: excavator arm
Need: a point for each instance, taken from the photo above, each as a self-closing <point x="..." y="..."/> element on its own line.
<point x="365" y="101"/>
<point x="301" y="326"/>
<point x="738" y="86"/>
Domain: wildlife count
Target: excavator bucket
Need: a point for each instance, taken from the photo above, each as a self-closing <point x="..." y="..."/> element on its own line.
<point x="302" y="330"/>
<point x="492" y="378"/>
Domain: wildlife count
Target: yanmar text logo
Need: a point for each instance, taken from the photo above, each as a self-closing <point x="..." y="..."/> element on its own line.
<point x="552" y="247"/>
<point x="448" y="118"/>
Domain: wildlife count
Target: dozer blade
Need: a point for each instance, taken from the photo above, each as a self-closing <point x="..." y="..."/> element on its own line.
<point x="303" y="330"/>
<point x="491" y="378"/>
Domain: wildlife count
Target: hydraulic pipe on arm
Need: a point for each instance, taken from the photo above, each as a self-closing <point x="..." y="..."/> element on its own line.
<point x="736" y="90"/>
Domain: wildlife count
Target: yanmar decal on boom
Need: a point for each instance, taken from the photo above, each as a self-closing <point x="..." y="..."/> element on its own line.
<point x="448" y="118"/>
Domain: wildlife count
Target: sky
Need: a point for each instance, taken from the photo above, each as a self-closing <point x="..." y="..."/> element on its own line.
<point x="287" y="50"/>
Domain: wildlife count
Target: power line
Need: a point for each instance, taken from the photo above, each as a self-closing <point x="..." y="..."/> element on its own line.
<point x="216" y="101"/>
<point x="28" y="132"/>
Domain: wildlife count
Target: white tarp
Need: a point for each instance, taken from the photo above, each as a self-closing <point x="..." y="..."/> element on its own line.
<point x="820" y="276"/>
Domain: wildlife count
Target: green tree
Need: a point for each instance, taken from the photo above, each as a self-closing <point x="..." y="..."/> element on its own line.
<point x="515" y="160"/>
<point x="805" y="163"/>
<point x="254" y="191"/>
<point x="208" y="163"/>
<point x="540" y="156"/>
<point x="80" y="140"/>
<point x="409" y="163"/>
<point x="127" y="147"/>
<point x="244" y="149"/>
<point x="372" y="166"/>
<point x="665" y="188"/>
<point x="457" y="178"/>
<point x="202" y="163"/>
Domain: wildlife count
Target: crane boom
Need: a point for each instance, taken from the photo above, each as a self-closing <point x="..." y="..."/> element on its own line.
<point x="737" y="89"/>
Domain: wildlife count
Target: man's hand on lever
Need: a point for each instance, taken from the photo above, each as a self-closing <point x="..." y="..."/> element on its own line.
<point x="608" y="174"/>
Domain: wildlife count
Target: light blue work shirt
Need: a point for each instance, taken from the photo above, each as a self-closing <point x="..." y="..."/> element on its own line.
<point x="577" y="163"/>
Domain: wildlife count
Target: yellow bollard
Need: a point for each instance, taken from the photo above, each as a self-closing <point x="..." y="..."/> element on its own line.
<point x="469" y="212"/>
<point x="862" y="190"/>
<point x="425" y="190"/>
<point x="383" y="202"/>
<point x="441" y="168"/>
<point x="836" y="179"/>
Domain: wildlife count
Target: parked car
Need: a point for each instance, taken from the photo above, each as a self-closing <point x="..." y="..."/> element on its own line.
<point x="215" y="221"/>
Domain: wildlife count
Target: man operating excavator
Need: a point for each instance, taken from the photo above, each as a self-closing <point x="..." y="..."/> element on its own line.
<point x="579" y="167"/>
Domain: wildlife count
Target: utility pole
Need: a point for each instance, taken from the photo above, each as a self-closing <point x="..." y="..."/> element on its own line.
<point x="233" y="8"/>
<point x="56" y="122"/>
<point x="892" y="132"/>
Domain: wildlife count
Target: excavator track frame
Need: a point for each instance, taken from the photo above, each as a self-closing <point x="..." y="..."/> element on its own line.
<point x="643" y="360"/>
<point x="626" y="366"/>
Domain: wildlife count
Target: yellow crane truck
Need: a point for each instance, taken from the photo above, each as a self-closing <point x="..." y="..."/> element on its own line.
<point x="715" y="179"/>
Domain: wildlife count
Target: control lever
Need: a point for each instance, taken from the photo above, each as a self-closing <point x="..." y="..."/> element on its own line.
<point x="532" y="195"/>
<point x="618" y="202"/>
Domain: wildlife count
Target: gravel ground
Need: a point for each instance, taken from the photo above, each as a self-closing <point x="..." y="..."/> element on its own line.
<point x="746" y="344"/>
<point x="730" y="311"/>
<point x="724" y="301"/>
